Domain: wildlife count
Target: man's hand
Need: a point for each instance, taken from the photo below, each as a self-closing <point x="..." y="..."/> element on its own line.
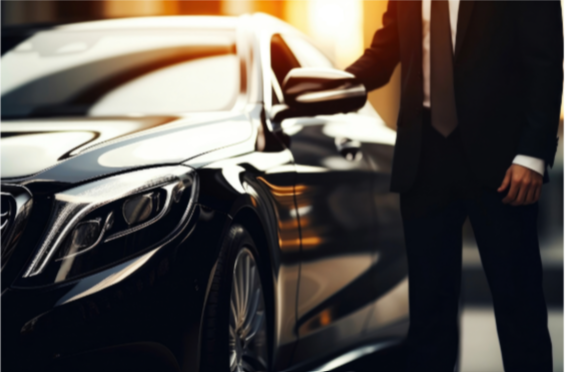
<point x="525" y="185"/>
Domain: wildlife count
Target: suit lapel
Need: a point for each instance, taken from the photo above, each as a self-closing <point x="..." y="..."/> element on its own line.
<point x="465" y="12"/>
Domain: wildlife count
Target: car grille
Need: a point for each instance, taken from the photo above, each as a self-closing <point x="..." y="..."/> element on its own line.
<point x="6" y="217"/>
<point x="15" y="207"/>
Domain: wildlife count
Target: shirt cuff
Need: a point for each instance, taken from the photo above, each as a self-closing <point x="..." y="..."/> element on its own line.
<point x="535" y="164"/>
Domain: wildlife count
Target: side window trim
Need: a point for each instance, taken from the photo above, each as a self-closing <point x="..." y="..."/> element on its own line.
<point x="285" y="58"/>
<point x="276" y="87"/>
<point x="312" y="55"/>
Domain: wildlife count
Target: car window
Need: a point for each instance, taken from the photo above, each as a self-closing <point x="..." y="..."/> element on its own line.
<point x="282" y="58"/>
<point x="82" y="73"/>
<point x="277" y="94"/>
<point x="307" y="54"/>
<point x="288" y="52"/>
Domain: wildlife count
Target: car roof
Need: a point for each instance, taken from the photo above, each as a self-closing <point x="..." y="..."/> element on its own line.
<point x="257" y="20"/>
<point x="160" y="22"/>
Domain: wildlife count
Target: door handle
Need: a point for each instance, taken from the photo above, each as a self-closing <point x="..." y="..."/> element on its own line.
<point x="349" y="149"/>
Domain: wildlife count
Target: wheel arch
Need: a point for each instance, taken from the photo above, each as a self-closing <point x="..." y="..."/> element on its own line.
<point x="244" y="215"/>
<point x="249" y="219"/>
<point x="251" y="204"/>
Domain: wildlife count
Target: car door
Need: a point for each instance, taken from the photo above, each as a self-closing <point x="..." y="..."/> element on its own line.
<point x="334" y="188"/>
<point x="386" y="283"/>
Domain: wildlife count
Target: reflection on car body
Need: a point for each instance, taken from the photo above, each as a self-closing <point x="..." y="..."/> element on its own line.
<point x="169" y="162"/>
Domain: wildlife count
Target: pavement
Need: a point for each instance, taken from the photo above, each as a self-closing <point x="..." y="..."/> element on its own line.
<point x="480" y="348"/>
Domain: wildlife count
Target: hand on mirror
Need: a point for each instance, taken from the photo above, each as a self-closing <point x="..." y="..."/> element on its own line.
<point x="523" y="184"/>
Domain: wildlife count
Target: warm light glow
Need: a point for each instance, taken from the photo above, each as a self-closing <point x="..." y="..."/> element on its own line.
<point x="237" y="7"/>
<point x="325" y="317"/>
<point x="290" y="245"/>
<point x="295" y="13"/>
<point x="337" y="26"/>
<point x="309" y="242"/>
<point x="292" y="224"/>
<point x="284" y="190"/>
<point x="138" y="8"/>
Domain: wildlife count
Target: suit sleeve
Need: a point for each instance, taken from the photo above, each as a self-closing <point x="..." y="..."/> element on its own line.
<point x="374" y="68"/>
<point x="540" y="36"/>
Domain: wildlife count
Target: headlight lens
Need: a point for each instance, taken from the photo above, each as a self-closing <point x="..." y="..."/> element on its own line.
<point x="110" y="220"/>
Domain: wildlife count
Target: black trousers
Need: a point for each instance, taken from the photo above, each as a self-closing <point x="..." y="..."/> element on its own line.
<point x="433" y="213"/>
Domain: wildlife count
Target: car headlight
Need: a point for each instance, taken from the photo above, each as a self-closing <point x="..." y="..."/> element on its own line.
<point x="110" y="220"/>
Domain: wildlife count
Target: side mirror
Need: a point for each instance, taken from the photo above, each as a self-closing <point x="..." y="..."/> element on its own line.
<point x="319" y="91"/>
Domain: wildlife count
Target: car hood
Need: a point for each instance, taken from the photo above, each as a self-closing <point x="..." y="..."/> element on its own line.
<point x="72" y="150"/>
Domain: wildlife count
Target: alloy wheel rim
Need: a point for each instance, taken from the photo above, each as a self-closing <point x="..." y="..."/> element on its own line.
<point x="247" y="326"/>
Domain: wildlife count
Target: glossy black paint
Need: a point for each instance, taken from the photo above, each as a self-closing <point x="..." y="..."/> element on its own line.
<point x="342" y="230"/>
<point x="36" y="144"/>
<point x="153" y="304"/>
<point x="312" y="191"/>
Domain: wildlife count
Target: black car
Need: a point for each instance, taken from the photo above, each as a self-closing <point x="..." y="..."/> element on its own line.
<point x="193" y="193"/>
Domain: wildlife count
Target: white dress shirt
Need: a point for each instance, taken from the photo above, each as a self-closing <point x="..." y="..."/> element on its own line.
<point x="535" y="164"/>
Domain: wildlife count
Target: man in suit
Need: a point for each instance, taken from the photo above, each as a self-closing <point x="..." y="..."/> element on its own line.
<point x="477" y="127"/>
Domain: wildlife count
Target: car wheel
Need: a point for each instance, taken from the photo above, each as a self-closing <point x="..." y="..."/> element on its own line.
<point x="235" y="324"/>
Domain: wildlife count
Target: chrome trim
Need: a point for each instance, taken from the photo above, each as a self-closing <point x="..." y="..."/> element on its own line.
<point x="332" y="94"/>
<point x="105" y="279"/>
<point x="7" y="216"/>
<point x="354" y="355"/>
<point x="247" y="337"/>
<point x="169" y="196"/>
<point x="98" y="240"/>
<point x="11" y="230"/>
<point x="72" y="205"/>
<point x="148" y="196"/>
<point x="327" y="73"/>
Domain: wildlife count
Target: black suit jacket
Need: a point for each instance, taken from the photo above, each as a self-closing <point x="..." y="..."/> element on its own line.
<point x="508" y="78"/>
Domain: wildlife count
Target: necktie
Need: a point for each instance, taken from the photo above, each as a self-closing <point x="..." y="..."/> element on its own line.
<point x="443" y="107"/>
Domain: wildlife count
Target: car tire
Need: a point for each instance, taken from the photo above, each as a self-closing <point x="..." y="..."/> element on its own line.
<point x="234" y="330"/>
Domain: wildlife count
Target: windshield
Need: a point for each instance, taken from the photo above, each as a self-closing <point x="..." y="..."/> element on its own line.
<point x="110" y="73"/>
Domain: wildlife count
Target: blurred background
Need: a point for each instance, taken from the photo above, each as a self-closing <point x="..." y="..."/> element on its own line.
<point x="343" y="28"/>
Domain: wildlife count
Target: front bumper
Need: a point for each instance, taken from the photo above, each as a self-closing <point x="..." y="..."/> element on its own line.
<point x="145" y="316"/>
